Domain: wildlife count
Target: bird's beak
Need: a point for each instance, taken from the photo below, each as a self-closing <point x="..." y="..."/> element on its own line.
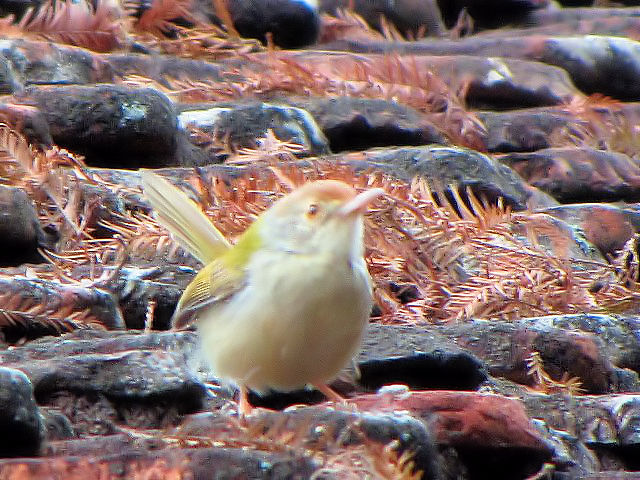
<point x="360" y="202"/>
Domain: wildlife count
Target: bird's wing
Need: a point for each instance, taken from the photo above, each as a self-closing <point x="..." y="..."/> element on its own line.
<point x="183" y="218"/>
<point x="213" y="284"/>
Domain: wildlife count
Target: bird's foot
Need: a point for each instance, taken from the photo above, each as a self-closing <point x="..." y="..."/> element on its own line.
<point x="244" y="407"/>
<point x="331" y="394"/>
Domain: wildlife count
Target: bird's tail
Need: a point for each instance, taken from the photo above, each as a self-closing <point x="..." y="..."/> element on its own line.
<point x="180" y="215"/>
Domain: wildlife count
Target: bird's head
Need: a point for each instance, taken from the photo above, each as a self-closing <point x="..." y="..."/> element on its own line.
<point x="320" y="216"/>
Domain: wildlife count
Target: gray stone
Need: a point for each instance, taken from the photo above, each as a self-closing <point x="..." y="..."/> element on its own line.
<point x="242" y="125"/>
<point x="20" y="421"/>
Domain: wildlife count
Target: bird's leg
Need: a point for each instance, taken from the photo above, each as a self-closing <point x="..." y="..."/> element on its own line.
<point x="244" y="407"/>
<point x="329" y="392"/>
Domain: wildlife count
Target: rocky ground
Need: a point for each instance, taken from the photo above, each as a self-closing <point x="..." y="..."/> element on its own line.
<point x="505" y="339"/>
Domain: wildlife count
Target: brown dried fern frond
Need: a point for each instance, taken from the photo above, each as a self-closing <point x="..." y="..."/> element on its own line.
<point x="394" y="77"/>
<point x="346" y="25"/>
<point x="618" y="290"/>
<point x="139" y="237"/>
<point x="34" y="170"/>
<point x="389" y="31"/>
<point x="15" y="154"/>
<point x="74" y="23"/>
<point x="202" y="41"/>
<point x="94" y="263"/>
<point x="517" y="277"/>
<point x="599" y="122"/>
<point x="54" y="322"/>
<point x="269" y="149"/>
<point x="344" y="450"/>
<point x="370" y="460"/>
<point x="196" y="91"/>
<point x="205" y="42"/>
<point x="587" y="107"/>
<point x="628" y="263"/>
<point x="158" y="17"/>
<point x="392" y="464"/>
<point x="406" y="81"/>
<point x="433" y="256"/>
<point x="463" y="257"/>
<point x="222" y="12"/>
<point x="43" y="308"/>
<point x="544" y="382"/>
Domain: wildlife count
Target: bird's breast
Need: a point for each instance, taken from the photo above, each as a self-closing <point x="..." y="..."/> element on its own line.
<point x="299" y="321"/>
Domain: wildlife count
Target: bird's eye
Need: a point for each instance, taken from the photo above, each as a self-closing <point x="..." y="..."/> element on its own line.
<point x="313" y="210"/>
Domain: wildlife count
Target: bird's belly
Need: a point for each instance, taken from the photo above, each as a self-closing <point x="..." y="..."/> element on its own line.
<point x="293" y="332"/>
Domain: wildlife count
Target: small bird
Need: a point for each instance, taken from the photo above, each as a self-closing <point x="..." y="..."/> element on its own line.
<point x="286" y="306"/>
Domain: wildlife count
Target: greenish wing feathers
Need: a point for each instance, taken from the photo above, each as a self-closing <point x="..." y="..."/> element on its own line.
<point x="214" y="283"/>
<point x="183" y="218"/>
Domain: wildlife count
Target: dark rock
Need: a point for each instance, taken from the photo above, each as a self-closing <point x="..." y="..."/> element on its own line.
<point x="565" y="24"/>
<point x="511" y="83"/>
<point x="559" y="239"/>
<point x="17" y="7"/>
<point x="52" y="298"/>
<point x="21" y="234"/>
<point x="557" y="16"/>
<point x="452" y="166"/>
<point x="325" y="429"/>
<point x="120" y="366"/>
<point x="85" y="342"/>
<point x="618" y="334"/>
<point x="505" y="347"/>
<point x="359" y="123"/>
<point x="46" y="63"/>
<point x="562" y="240"/>
<point x="491" y="433"/>
<point x="19" y="416"/>
<point x="590" y="433"/>
<point x="608" y="227"/>
<point x="29" y="121"/>
<point x="489" y="13"/>
<point x="408" y="16"/>
<point x="163" y="67"/>
<point x="611" y="475"/>
<point x="90" y="414"/>
<point x="9" y="82"/>
<point x="432" y="371"/>
<point x="134" y="375"/>
<point x="420" y="357"/>
<point x="489" y="83"/>
<point x="112" y="125"/>
<point x="57" y="425"/>
<point x="292" y="23"/>
<point x="104" y="444"/>
<point x="100" y="380"/>
<point x="180" y="462"/>
<point x="242" y="125"/>
<point x="137" y="288"/>
<point x="600" y="421"/>
<point x="575" y="174"/>
<point x="522" y="130"/>
<point x="571" y="457"/>
<point x="599" y="64"/>
<point x="404" y="341"/>
<point x="596" y="64"/>
<point x="441" y="166"/>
